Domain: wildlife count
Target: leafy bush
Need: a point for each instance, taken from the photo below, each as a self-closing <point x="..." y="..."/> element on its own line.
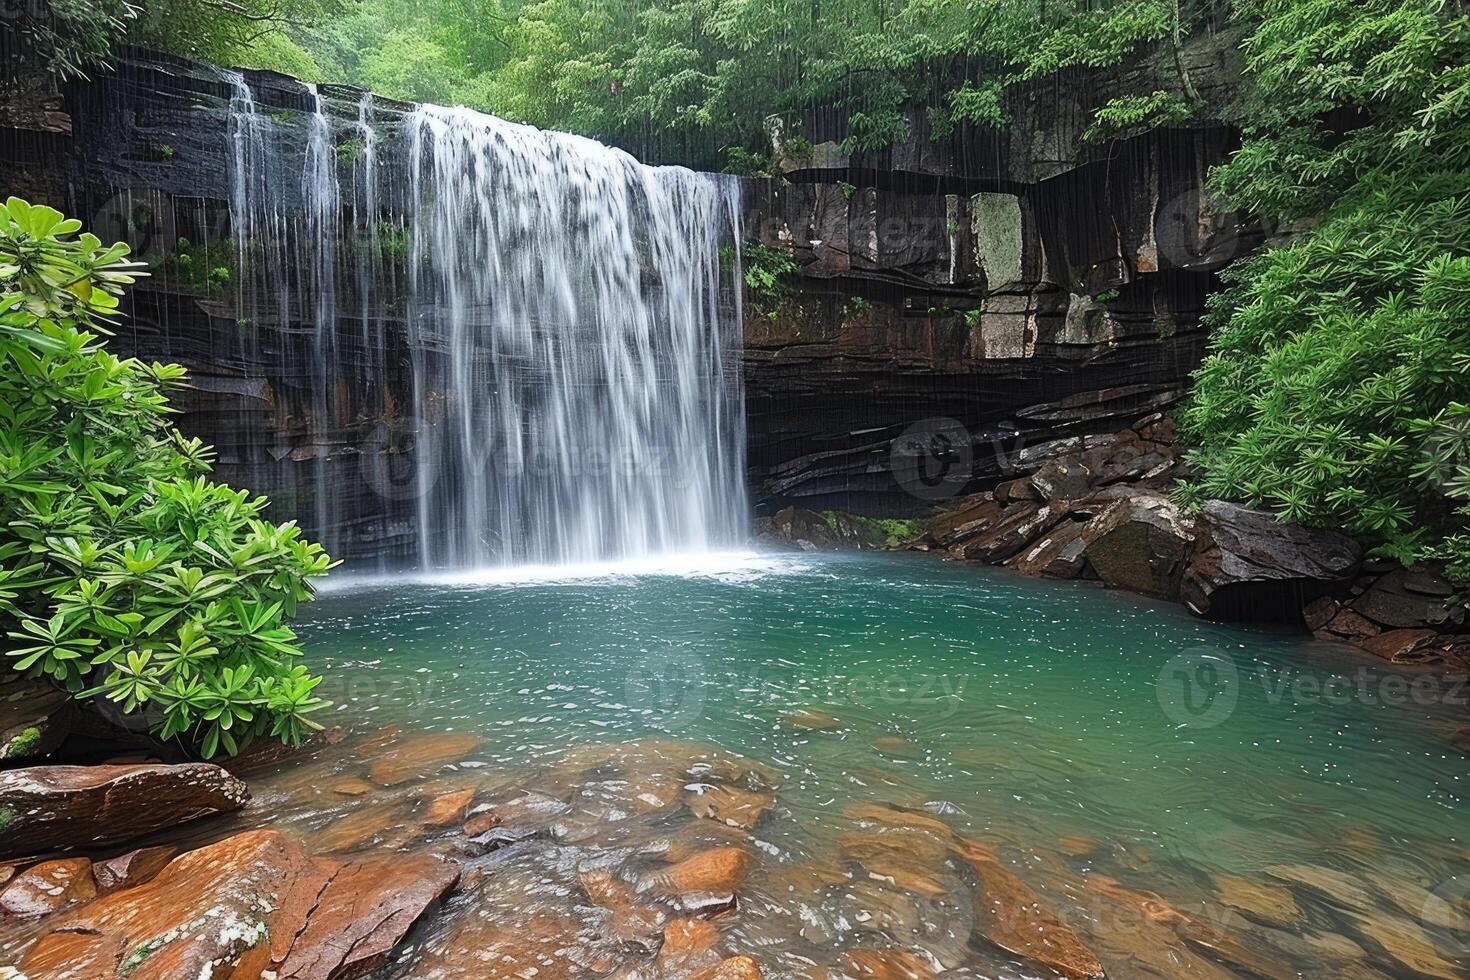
<point x="767" y="270"/>
<point x="124" y="572"/>
<point x="1335" y="385"/>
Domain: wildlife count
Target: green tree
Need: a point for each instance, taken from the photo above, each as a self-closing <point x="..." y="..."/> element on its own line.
<point x="61" y="39"/>
<point x="124" y="572"/>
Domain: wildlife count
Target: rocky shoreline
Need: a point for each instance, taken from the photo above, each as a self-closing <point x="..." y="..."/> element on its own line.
<point x="1097" y="507"/>
<point x="391" y="853"/>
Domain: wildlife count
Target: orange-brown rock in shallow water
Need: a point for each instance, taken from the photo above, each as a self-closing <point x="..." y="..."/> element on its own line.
<point x="366" y="908"/>
<point x="48" y="887"/>
<point x="542" y="944"/>
<point x="631" y="922"/>
<point x="811" y="720"/>
<point x="1011" y="916"/>
<point x="705" y="882"/>
<point x="240" y="907"/>
<point x="448" y="808"/>
<point x="735" y="968"/>
<point x="910" y="862"/>
<point x="689" y="944"/>
<point x="1077" y="845"/>
<point x="421" y="755"/>
<point x="1202" y="931"/>
<point x="1261" y="900"/>
<point x="729" y="805"/>
<point x="132" y="868"/>
<point x="351" y="786"/>
<point x="884" y="964"/>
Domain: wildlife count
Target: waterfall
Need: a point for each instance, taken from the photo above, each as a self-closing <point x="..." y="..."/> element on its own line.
<point x="569" y="328"/>
<point x="321" y="196"/>
<point x="576" y="383"/>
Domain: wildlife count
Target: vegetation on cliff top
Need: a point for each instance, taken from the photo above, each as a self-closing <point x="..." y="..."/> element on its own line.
<point x="125" y="573"/>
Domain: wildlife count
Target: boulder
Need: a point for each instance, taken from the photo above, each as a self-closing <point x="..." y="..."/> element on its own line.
<point x="365" y="910"/>
<point x="1014" y="490"/>
<point x="1017" y="526"/>
<point x="48" y="887"/>
<point x="69" y="806"/>
<point x="829" y="530"/>
<point x="971" y="516"/>
<point x="34" y="717"/>
<point x="1062" y="479"/>
<point x="133" y="868"/>
<point x="243" y="906"/>
<point x="1405" y="599"/>
<point x="1060" y="553"/>
<point x="1241" y="547"/>
<point x="1140" y="543"/>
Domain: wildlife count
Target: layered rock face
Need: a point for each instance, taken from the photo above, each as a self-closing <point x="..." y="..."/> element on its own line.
<point x="996" y="288"/>
<point x="990" y="289"/>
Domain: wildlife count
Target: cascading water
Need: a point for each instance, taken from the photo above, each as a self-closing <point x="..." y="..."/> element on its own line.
<point x="321" y="196"/>
<point x="577" y="394"/>
<point x="572" y="328"/>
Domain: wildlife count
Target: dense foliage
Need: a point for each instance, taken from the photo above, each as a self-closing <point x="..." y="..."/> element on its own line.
<point x="1336" y="386"/>
<point x="716" y="70"/>
<point x="60" y="39"/>
<point x="124" y="572"/>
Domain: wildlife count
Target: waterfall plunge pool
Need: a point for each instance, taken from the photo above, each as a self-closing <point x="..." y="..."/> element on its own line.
<point x="1183" y="798"/>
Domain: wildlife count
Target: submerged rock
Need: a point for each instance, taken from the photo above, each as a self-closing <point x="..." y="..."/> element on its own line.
<point x="884" y="964"/>
<point x="729" y="805"/>
<point x="708" y="881"/>
<point x="811" y="720"/>
<point x="421" y="756"/>
<point x="1013" y="917"/>
<point x="68" y="806"/>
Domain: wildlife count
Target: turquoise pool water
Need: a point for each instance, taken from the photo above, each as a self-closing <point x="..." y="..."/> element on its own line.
<point x="1091" y="736"/>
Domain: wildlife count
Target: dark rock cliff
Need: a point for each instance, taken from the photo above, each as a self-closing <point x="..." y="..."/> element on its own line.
<point x="983" y="293"/>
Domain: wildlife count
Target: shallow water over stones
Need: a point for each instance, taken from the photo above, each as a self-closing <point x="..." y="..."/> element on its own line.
<point x="655" y="777"/>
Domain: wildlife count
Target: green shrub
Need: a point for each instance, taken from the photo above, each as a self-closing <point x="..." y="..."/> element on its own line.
<point x="1335" y="385"/>
<point x="124" y="572"/>
<point x="767" y="271"/>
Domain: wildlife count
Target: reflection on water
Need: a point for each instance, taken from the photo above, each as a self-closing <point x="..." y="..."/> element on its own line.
<point x="883" y="767"/>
